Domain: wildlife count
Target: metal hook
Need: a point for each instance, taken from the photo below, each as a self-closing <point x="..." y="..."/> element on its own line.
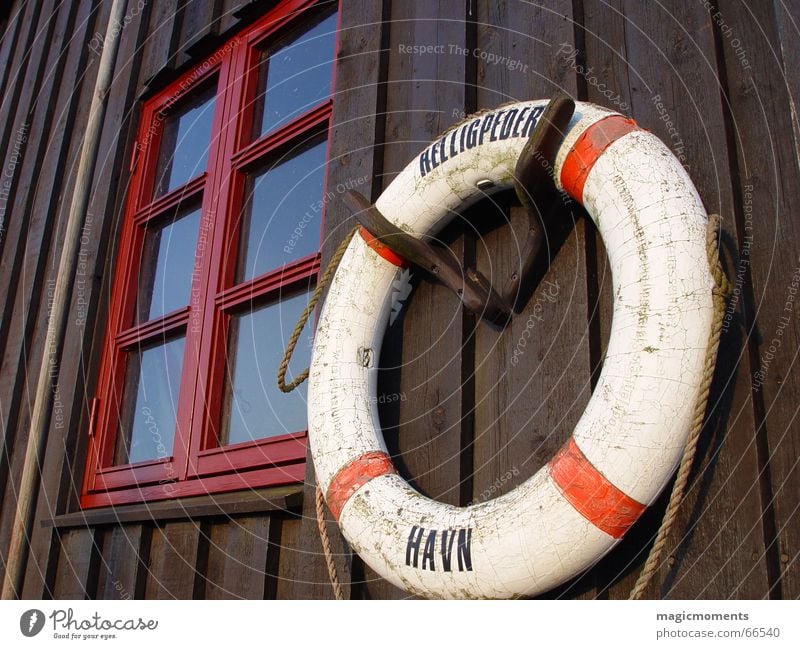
<point x="533" y="180"/>
<point x="472" y="287"/>
<point x="534" y="184"/>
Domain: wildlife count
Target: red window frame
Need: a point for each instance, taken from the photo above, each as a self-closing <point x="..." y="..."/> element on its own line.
<point x="197" y="464"/>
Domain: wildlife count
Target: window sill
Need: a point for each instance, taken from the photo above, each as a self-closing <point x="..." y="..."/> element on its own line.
<point x="286" y="499"/>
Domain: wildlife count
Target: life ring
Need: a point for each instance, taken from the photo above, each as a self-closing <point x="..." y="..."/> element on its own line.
<point x="629" y="439"/>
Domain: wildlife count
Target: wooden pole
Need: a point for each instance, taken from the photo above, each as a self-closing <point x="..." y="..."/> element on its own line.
<point x="56" y="328"/>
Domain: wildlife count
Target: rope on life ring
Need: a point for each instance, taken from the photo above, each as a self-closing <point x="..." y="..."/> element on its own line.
<point x="585" y="145"/>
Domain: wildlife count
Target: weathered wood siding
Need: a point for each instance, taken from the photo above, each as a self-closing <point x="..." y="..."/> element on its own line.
<point x="467" y="424"/>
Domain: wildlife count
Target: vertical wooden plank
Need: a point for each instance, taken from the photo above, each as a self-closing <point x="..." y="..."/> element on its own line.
<point x="235" y="14"/>
<point x="227" y="18"/>
<point x="237" y="558"/>
<point x="788" y="17"/>
<point x="8" y="43"/>
<point x="422" y="351"/>
<point x="427" y="96"/>
<point x="27" y="253"/>
<point x="526" y="408"/>
<point x="788" y="21"/>
<point x="356" y="118"/>
<point x="14" y="135"/>
<point x="17" y="66"/>
<point x="174" y="555"/>
<point x="66" y="439"/>
<point x="162" y="38"/>
<point x="200" y="23"/>
<point x="78" y="562"/>
<point x="121" y="562"/>
<point x="764" y="130"/>
<point x="291" y="561"/>
<point x="661" y="72"/>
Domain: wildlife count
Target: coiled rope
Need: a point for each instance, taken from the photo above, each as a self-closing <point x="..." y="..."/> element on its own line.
<point x="319" y="504"/>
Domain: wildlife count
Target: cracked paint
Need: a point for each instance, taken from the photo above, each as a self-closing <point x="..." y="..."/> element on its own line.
<point x="634" y="427"/>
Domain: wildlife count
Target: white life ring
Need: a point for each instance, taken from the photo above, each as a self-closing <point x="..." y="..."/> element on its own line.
<point x="629" y="439"/>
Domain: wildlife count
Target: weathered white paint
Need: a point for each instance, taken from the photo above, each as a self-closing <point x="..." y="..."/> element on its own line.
<point x="635" y="425"/>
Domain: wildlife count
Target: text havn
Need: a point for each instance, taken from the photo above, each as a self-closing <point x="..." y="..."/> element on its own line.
<point x="448" y="549"/>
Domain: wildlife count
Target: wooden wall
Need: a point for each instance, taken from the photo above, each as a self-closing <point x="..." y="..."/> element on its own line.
<point x="466" y="416"/>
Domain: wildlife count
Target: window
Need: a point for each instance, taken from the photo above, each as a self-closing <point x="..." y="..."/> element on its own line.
<point x="218" y="253"/>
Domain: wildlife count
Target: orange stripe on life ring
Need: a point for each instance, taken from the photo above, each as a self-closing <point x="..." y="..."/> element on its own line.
<point x="355" y="475"/>
<point x="588" y="148"/>
<point x="591" y="494"/>
<point x="381" y="248"/>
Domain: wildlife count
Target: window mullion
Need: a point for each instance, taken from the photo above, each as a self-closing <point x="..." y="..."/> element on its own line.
<point x="206" y="322"/>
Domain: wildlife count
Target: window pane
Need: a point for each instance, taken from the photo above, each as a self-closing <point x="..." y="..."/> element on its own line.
<point x="282" y="213"/>
<point x="185" y="139"/>
<point x="254" y="407"/>
<point x="165" y="272"/>
<point x="150" y="401"/>
<point x="296" y="76"/>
